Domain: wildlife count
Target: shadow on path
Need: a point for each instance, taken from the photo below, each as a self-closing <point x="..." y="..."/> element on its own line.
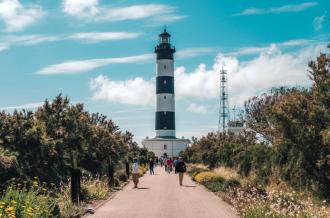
<point x="189" y="186"/>
<point x="142" y="188"/>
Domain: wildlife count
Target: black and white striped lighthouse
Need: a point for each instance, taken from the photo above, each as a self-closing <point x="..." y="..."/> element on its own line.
<point x="165" y="109"/>
<point x="165" y="143"/>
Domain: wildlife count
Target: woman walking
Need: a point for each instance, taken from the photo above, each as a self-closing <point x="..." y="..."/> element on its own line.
<point x="135" y="172"/>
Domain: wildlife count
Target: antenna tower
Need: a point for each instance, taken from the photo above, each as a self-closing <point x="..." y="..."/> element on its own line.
<point x="224" y="105"/>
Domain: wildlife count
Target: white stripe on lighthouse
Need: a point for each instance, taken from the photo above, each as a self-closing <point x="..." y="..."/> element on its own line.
<point x="165" y="132"/>
<point x="165" y="102"/>
<point x="165" y="67"/>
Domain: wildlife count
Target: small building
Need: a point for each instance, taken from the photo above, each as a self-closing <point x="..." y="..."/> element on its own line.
<point x="236" y="126"/>
<point x="165" y="143"/>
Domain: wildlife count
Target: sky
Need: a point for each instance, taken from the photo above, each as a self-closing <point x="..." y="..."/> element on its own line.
<point x="100" y="53"/>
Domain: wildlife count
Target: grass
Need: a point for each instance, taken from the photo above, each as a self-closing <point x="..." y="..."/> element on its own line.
<point x="251" y="200"/>
<point x="95" y="188"/>
<point x="226" y="172"/>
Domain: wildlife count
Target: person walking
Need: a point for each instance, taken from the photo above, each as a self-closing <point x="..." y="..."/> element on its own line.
<point x="165" y="164"/>
<point x="135" y="172"/>
<point x="161" y="162"/>
<point x="169" y="163"/>
<point x="181" y="169"/>
<point x="174" y="164"/>
<point x="151" y="166"/>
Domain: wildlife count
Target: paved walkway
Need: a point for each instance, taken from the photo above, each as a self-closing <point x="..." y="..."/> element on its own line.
<point x="160" y="196"/>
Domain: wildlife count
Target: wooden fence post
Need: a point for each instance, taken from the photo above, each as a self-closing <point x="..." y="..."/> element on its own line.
<point x="111" y="179"/>
<point x="127" y="168"/>
<point x="75" y="179"/>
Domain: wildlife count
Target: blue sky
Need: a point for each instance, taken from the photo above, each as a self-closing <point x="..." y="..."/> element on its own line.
<point x="101" y="53"/>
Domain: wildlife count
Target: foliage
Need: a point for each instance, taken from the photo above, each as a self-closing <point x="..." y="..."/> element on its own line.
<point x="204" y="176"/>
<point x="121" y="175"/>
<point x="96" y="188"/>
<point x="194" y="171"/>
<point x="42" y="144"/>
<point x="36" y="201"/>
<point x="219" y="183"/>
<point x="67" y="208"/>
<point x="287" y="137"/>
<point x="253" y="204"/>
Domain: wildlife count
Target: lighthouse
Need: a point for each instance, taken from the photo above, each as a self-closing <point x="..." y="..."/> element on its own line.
<point x="165" y="109"/>
<point x="165" y="143"/>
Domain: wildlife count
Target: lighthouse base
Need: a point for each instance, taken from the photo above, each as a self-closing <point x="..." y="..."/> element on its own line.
<point x="170" y="147"/>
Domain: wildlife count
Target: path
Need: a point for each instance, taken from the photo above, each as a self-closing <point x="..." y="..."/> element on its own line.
<point x="160" y="196"/>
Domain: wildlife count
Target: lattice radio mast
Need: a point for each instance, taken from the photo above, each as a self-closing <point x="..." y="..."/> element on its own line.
<point x="224" y="105"/>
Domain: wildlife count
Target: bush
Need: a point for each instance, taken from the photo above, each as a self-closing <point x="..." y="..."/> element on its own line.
<point x="204" y="177"/>
<point x="116" y="182"/>
<point x="219" y="183"/>
<point x="194" y="171"/>
<point x="121" y="175"/>
<point x="230" y="183"/>
<point x="96" y="189"/>
<point x="35" y="202"/>
<point x="216" y="184"/>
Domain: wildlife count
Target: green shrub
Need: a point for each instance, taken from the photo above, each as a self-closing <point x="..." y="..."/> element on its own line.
<point x="21" y="201"/>
<point x="216" y="184"/>
<point x="116" y="182"/>
<point x="95" y="189"/>
<point x="121" y="175"/>
<point x="230" y="183"/>
<point x="194" y="171"/>
<point x="219" y="183"/>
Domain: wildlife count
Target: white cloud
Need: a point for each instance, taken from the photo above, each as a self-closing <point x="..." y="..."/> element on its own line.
<point x="23" y="106"/>
<point x="194" y="52"/>
<point x="85" y="37"/>
<point x="318" y="22"/>
<point x="135" y="91"/>
<point x="103" y="36"/>
<point x="91" y="10"/>
<point x="197" y="108"/>
<point x="80" y="8"/>
<point x="276" y="10"/>
<point x="169" y="18"/>
<point x="79" y="66"/>
<point x="270" y="69"/>
<point x="3" y="46"/>
<point x="134" y="12"/>
<point x="29" y="39"/>
<point x="17" y="17"/>
<point x="73" y="67"/>
<point x="257" y="50"/>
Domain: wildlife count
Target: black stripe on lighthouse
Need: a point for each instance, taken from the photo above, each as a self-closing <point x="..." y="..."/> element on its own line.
<point x="165" y="84"/>
<point x="164" y="51"/>
<point x="165" y="120"/>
